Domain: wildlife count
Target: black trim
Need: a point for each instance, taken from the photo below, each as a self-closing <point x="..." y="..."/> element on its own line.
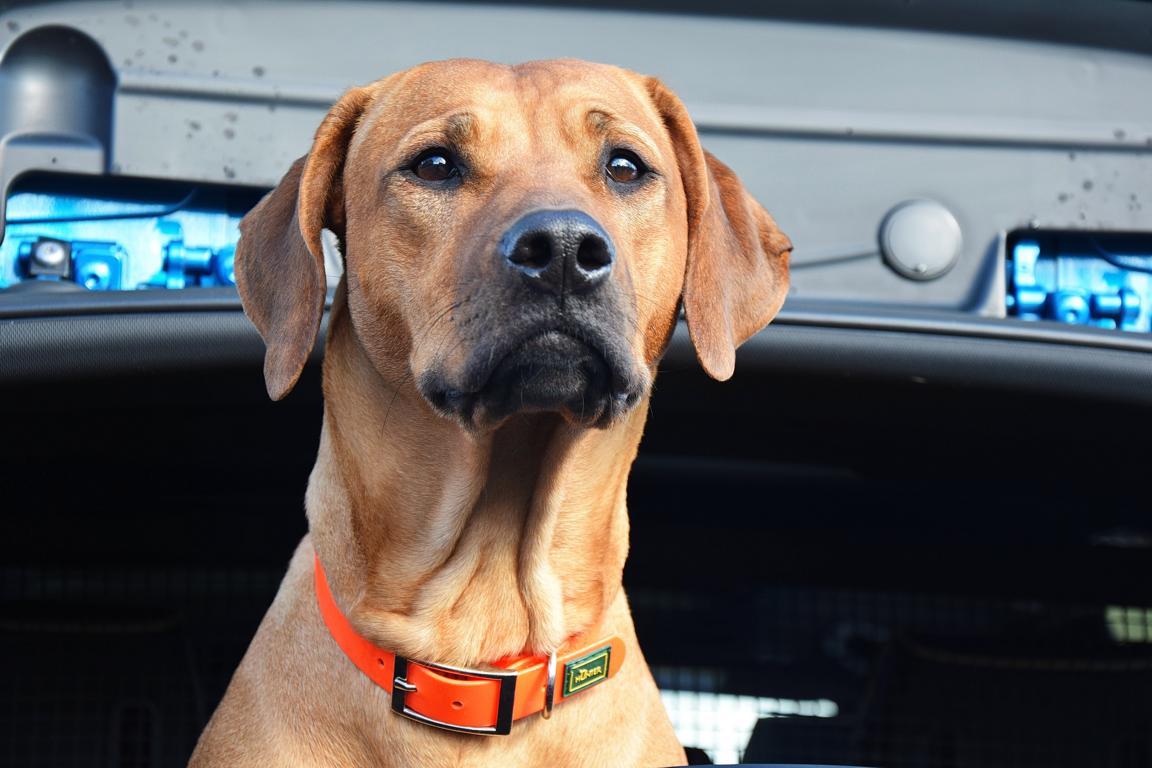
<point x="48" y="303"/>
<point x="938" y="360"/>
<point x="999" y="354"/>
<point x="74" y="347"/>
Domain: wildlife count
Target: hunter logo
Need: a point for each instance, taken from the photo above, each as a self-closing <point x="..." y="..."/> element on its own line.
<point x="587" y="671"/>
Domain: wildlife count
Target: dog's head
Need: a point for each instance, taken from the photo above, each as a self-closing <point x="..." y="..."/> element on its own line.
<point x="515" y="239"/>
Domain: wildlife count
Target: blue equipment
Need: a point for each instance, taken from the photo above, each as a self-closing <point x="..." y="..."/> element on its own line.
<point x="116" y="234"/>
<point x="1101" y="279"/>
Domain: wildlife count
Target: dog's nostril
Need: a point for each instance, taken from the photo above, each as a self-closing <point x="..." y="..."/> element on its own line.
<point x="534" y="252"/>
<point x="593" y="254"/>
<point x="558" y="252"/>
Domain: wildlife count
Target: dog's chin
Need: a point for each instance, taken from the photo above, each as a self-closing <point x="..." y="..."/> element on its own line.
<point x="551" y="372"/>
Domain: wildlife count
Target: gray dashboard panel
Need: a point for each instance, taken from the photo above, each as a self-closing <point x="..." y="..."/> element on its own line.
<point x="830" y="126"/>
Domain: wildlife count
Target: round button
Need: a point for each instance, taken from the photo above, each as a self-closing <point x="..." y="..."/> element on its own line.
<point x="920" y="239"/>
<point x="96" y="276"/>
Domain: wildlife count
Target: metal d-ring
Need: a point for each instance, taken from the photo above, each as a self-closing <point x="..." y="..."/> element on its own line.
<point x="550" y="688"/>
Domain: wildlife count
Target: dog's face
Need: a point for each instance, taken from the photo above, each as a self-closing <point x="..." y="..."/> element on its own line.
<point x="515" y="239"/>
<point x="520" y="227"/>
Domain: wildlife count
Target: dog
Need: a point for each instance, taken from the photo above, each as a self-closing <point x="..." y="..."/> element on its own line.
<point x="518" y="244"/>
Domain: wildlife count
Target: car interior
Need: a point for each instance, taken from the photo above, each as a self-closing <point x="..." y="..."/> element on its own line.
<point x="913" y="528"/>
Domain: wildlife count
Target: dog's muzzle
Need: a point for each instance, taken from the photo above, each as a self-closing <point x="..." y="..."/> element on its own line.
<point x="554" y="329"/>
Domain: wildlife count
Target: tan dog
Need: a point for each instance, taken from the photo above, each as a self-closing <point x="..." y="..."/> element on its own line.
<point x="518" y="243"/>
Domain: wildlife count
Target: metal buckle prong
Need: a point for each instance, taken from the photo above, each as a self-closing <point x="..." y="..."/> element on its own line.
<point x="401" y="688"/>
<point x="549" y="687"/>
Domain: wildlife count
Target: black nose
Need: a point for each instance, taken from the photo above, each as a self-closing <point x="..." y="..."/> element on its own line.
<point x="561" y="252"/>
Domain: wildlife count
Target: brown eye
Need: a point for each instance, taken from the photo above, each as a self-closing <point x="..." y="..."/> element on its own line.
<point x="435" y="165"/>
<point x="625" y="168"/>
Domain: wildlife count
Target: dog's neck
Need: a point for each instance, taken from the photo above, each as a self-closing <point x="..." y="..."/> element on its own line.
<point x="458" y="547"/>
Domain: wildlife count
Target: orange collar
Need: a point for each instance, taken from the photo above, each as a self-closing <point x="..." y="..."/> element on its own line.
<point x="471" y="700"/>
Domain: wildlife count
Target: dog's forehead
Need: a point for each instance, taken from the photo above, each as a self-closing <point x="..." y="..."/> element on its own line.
<point x="561" y="89"/>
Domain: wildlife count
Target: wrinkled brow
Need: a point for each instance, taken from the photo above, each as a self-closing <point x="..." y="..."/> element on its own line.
<point x="454" y="130"/>
<point x="606" y="125"/>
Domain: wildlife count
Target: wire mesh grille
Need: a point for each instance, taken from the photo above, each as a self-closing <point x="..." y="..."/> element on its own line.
<point x="118" y="668"/>
<point x="122" y="668"/>
<point x="932" y="681"/>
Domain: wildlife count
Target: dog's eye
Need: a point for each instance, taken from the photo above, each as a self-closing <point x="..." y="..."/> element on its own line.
<point x="624" y="167"/>
<point x="435" y="165"/>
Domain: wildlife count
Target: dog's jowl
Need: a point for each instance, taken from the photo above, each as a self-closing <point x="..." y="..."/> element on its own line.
<point x="518" y="243"/>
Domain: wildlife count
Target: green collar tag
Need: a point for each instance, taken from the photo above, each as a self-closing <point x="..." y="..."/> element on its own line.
<point x="586" y="671"/>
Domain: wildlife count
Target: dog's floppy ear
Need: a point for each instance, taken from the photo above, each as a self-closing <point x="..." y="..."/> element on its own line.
<point x="737" y="273"/>
<point x="280" y="259"/>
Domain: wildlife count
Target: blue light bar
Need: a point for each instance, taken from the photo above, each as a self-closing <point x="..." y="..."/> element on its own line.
<point x="124" y="236"/>
<point x="1082" y="278"/>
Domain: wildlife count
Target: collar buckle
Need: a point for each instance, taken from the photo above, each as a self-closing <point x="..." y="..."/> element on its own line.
<point x="507" y="698"/>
